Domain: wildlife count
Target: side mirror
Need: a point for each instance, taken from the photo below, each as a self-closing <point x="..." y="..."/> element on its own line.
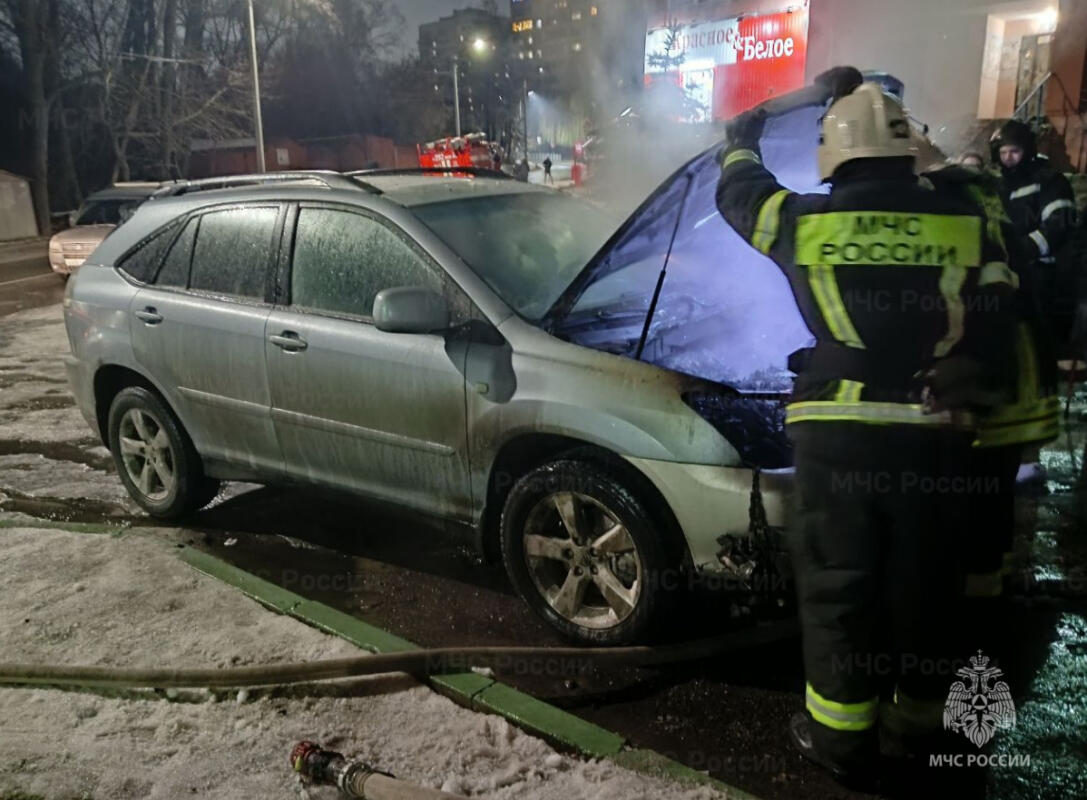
<point x="72" y="217"/>
<point x="410" y="309"/>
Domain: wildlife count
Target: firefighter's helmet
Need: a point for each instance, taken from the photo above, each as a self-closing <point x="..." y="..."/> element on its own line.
<point x="868" y="123"/>
<point x="1014" y="132"/>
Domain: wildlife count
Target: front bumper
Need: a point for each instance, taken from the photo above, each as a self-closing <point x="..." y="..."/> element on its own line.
<point x="710" y="502"/>
<point x="64" y="262"/>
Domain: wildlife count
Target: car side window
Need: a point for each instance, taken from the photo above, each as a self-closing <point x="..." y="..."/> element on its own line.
<point x="233" y="250"/>
<point x="142" y="263"/>
<point x="175" y="269"/>
<point x="343" y="259"/>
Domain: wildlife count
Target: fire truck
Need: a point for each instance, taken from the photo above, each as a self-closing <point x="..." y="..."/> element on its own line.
<point x="472" y="150"/>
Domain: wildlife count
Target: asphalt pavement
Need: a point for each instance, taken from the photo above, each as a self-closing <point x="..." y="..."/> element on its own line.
<point x="26" y="280"/>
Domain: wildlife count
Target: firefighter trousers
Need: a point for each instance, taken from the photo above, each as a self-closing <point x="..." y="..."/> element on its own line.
<point x="990" y="520"/>
<point x="877" y="570"/>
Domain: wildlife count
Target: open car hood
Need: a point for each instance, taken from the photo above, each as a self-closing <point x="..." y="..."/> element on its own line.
<point x="725" y="312"/>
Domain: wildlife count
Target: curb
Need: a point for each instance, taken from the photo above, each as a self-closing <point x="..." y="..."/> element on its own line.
<point x="468" y="689"/>
<point x="70" y="527"/>
<point x="22" y="248"/>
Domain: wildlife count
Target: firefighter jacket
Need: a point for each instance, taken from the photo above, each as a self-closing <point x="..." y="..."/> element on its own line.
<point x="1033" y="415"/>
<point x="891" y="276"/>
<point x="1041" y="206"/>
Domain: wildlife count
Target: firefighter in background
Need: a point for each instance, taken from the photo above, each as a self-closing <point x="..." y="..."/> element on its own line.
<point x="1042" y="208"/>
<point x="888" y="275"/>
<point x="1031" y="419"/>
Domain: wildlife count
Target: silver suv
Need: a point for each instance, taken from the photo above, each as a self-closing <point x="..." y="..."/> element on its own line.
<point x="415" y="338"/>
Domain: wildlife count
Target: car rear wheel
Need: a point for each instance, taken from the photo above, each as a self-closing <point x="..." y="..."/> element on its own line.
<point x="581" y="549"/>
<point x="155" y="457"/>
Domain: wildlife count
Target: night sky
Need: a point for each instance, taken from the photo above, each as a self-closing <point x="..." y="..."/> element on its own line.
<point x="417" y="12"/>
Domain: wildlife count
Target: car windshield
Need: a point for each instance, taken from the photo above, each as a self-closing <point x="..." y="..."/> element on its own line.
<point x="105" y="212"/>
<point x="526" y="247"/>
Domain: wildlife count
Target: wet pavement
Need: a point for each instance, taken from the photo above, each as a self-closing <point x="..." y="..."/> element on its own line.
<point x="26" y="280"/>
<point x="422" y="581"/>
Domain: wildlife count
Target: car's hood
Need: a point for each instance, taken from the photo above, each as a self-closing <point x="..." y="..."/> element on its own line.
<point x="83" y="234"/>
<point x="722" y="311"/>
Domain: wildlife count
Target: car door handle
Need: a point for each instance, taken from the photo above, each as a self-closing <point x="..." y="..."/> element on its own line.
<point x="149" y="315"/>
<point x="289" y="341"/>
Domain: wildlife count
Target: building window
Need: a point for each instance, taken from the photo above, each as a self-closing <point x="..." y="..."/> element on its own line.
<point x="593" y="11"/>
<point x="577" y="47"/>
<point x="576" y="16"/>
<point x="522" y="25"/>
<point x="539" y="23"/>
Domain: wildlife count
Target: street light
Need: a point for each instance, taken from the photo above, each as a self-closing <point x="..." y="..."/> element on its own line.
<point x="256" y="91"/>
<point x="528" y="94"/>
<point x="479" y="45"/>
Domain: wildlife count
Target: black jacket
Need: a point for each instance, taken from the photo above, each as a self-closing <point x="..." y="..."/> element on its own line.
<point x="891" y="276"/>
<point x="1032" y="415"/>
<point x="1041" y="206"/>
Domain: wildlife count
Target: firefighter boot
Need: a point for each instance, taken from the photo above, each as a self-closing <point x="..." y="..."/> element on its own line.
<point x="862" y="775"/>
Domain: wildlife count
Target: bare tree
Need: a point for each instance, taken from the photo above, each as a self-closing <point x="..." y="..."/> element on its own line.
<point x="31" y="23"/>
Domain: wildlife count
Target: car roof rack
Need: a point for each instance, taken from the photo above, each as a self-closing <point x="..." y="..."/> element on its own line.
<point x="476" y="172"/>
<point x="326" y="178"/>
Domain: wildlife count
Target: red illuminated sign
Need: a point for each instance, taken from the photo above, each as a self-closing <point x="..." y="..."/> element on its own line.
<point x="730" y="65"/>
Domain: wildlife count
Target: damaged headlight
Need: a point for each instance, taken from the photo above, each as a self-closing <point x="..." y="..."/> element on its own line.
<point x="754" y="425"/>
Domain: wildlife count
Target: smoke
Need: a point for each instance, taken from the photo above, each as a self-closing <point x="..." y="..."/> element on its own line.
<point x="636" y="142"/>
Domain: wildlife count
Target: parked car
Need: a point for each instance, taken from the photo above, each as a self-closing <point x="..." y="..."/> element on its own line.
<point x="100" y="213"/>
<point x="462" y="346"/>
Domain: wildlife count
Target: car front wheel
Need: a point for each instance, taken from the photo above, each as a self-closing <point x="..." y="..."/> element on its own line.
<point x="581" y="549"/>
<point x="155" y="458"/>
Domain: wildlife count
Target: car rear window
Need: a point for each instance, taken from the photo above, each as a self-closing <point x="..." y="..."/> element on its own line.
<point x="142" y="263"/>
<point x="175" y="269"/>
<point x="106" y="212"/>
<point x="233" y="249"/>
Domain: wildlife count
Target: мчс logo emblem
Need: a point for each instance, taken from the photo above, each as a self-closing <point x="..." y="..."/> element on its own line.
<point x="982" y="704"/>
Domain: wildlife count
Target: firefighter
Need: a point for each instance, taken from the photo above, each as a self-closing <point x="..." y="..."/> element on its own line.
<point x="1030" y="420"/>
<point x="887" y="273"/>
<point x="1042" y="208"/>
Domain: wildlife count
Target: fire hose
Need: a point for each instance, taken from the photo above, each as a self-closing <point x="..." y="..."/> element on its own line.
<point x="356" y="779"/>
<point x="413" y="662"/>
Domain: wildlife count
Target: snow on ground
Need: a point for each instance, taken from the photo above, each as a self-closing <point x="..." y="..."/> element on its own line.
<point x="96" y="599"/>
<point x="72" y="598"/>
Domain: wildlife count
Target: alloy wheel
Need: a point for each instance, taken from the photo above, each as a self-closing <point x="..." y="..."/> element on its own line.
<point x="582" y="560"/>
<point x="147" y="455"/>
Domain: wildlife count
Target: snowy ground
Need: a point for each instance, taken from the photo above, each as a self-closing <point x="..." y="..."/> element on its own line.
<point x="98" y="599"/>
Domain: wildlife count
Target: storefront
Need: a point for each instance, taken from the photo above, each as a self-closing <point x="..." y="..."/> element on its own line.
<point x="728" y="64"/>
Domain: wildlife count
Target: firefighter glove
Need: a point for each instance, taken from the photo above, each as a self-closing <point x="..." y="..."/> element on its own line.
<point x="839" y="81"/>
<point x="745" y="130"/>
<point x="959" y="383"/>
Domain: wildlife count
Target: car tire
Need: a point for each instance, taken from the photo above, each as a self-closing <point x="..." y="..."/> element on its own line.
<point x="606" y="597"/>
<point x="155" y="457"/>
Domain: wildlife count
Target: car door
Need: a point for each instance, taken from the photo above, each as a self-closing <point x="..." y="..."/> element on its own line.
<point x="198" y="331"/>
<point x="354" y="407"/>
